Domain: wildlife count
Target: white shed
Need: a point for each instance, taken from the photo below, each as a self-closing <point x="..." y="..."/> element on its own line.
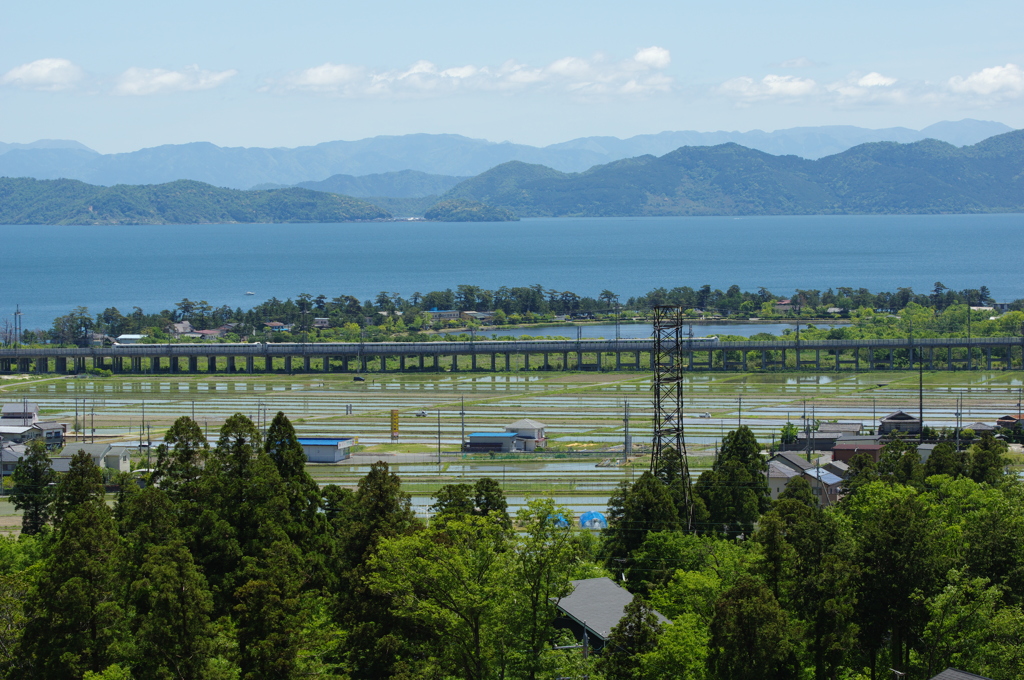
<point x="326" y="449"/>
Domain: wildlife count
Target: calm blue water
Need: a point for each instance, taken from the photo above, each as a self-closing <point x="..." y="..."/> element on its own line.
<point x="639" y="330"/>
<point x="49" y="269"/>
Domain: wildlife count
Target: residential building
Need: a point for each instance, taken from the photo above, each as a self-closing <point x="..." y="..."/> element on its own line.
<point x="593" y="608"/>
<point x="530" y="431"/>
<point x="899" y="422"/>
<point x="443" y="314"/>
<point x="494" y="442"/>
<point x="129" y="338"/>
<point x="956" y="674"/>
<point x="779" y="475"/>
<point x="847" y="428"/>
<point x="845" y="451"/>
<point x="110" y="456"/>
<point x="321" y="322"/>
<point x="824" y="484"/>
<point x="482" y="317"/>
<point x="180" y="328"/>
<point x="9" y="456"/>
<point x="1009" y="422"/>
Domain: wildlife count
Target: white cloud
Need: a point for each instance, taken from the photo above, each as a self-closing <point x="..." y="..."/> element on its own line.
<point x="799" y="62"/>
<point x="143" y="81"/>
<point x="994" y="82"/>
<point x="655" y="57"/>
<point x="770" y="87"/>
<point x="44" y="74"/>
<point x="596" y="76"/>
<point x="875" y="79"/>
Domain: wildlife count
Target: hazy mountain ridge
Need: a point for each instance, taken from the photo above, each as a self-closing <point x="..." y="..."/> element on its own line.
<point x="882" y="177"/>
<point x="402" y="184"/>
<point x="450" y="155"/>
<point x="30" y="201"/>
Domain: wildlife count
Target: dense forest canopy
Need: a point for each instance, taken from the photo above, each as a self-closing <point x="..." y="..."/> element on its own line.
<point x="65" y="201"/>
<point x="925" y="177"/>
<point x="232" y="563"/>
<point x="940" y="312"/>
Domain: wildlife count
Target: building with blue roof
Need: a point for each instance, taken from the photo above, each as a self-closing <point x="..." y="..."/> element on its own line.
<point x="326" y="449"/>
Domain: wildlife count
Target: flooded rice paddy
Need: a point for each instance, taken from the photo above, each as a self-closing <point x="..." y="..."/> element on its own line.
<point x="583" y="413"/>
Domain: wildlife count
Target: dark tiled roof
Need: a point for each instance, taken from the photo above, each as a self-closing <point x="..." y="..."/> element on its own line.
<point x="899" y="415"/>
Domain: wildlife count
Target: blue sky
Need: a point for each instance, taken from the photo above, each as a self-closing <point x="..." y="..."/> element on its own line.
<point x="119" y="76"/>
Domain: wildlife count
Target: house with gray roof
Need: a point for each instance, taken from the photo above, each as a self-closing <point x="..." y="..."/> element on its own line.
<point x="595" y="606"/>
<point x="956" y="674"/>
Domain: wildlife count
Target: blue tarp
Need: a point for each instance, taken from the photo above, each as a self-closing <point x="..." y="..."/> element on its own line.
<point x="593" y="520"/>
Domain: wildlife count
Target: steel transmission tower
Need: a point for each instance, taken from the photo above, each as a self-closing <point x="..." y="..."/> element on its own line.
<point x="668" y="453"/>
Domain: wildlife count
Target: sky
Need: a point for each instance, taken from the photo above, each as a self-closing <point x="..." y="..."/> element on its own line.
<point x="119" y="76"/>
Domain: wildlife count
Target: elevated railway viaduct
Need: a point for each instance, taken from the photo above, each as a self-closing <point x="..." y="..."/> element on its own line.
<point x="699" y="354"/>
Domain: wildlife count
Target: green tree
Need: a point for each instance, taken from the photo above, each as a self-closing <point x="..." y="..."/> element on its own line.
<point x="634" y="511"/>
<point x="180" y="460"/>
<point x="170" y="607"/>
<point x="750" y="635"/>
<point x="33" y="488"/>
<point x="799" y="489"/>
<point x="82" y="484"/>
<point x="944" y="460"/>
<point x="542" y="560"/>
<point x="735" y="491"/>
<point x="634" y="636"/>
<point x="74" y="616"/>
<point x="901" y="553"/>
<point x="379" y="510"/>
<point x="454" y="580"/>
<point x="988" y="459"/>
<point x="305" y="522"/>
<point x="268" y="613"/>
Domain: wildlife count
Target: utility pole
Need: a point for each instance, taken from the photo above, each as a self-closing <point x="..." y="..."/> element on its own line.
<point x="807" y="433"/>
<point x="462" y="417"/>
<point x="627" y="445"/>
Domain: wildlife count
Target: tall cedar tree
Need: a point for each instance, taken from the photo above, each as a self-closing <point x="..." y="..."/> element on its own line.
<point x="379" y="510"/>
<point x="82" y="483"/>
<point x="180" y="460"/>
<point x="987" y="460"/>
<point x="750" y="635"/>
<point x="267" y="613"/>
<point x="900" y="560"/>
<point x="305" y="522"/>
<point x="242" y="511"/>
<point x="735" y="491"/>
<point x="633" y="512"/>
<point x="74" y="615"/>
<point x="169" y="606"/>
<point x="33" y="491"/>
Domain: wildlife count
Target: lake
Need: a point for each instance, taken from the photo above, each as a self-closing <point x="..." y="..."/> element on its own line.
<point x="639" y="330"/>
<point x="48" y="270"/>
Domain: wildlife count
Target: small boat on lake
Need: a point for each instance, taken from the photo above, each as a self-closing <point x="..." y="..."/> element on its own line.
<point x="249" y="292"/>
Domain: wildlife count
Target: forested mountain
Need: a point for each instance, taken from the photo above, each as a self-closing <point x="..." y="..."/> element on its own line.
<point x="884" y="178"/>
<point x="402" y="184"/>
<point x="30" y="201"/>
<point x="242" y="168"/>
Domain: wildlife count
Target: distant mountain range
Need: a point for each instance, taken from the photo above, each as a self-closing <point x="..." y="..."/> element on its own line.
<point x="452" y="156"/>
<point x="924" y="177"/>
<point x="31" y="201"/>
<point x="882" y="177"/>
